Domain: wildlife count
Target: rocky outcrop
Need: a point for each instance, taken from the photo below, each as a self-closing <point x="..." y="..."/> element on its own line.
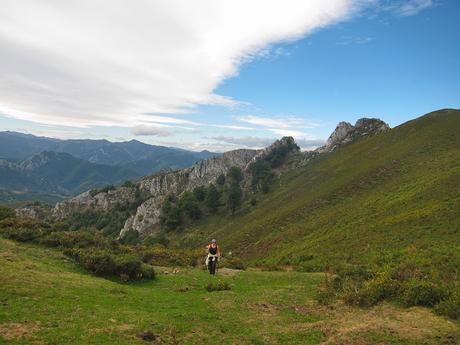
<point x="90" y="201"/>
<point x="346" y="132"/>
<point x="32" y="212"/>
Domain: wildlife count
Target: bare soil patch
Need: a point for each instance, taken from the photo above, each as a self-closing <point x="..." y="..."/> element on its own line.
<point x="15" y="330"/>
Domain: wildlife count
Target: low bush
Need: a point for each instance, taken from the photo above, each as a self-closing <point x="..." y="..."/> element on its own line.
<point x="325" y="295"/>
<point x="6" y="212"/>
<point x="422" y="293"/>
<point x="218" y="286"/>
<point x="233" y="262"/>
<point x="22" y="234"/>
<point x="105" y="263"/>
<point x="450" y="306"/>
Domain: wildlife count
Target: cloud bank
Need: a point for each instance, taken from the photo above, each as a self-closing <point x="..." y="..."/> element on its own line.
<point x="83" y="63"/>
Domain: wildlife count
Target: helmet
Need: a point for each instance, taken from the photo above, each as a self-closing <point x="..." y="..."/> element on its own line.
<point x="213" y="241"/>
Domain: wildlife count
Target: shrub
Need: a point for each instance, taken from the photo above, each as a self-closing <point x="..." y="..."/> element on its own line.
<point x="96" y="261"/>
<point x="78" y="239"/>
<point x="212" y="198"/>
<point x="422" y="293"/>
<point x="147" y="272"/>
<point x="130" y="237"/>
<point x="373" y="291"/>
<point x="325" y="296"/>
<point x="127" y="266"/>
<point x="220" y="180"/>
<point x="6" y="212"/>
<point x="200" y="193"/>
<point x="218" y="286"/>
<point x="233" y="262"/>
<point x="160" y="239"/>
<point x="449" y="306"/>
<point x="128" y="184"/>
<point x="234" y="197"/>
<point x="22" y="234"/>
<point x="235" y="174"/>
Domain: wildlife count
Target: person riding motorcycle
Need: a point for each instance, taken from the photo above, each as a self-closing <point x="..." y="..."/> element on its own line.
<point x="213" y="256"/>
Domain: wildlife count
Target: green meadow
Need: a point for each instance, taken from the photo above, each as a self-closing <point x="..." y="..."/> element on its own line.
<point x="47" y="299"/>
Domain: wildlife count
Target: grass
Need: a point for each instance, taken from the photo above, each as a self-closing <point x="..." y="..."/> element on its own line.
<point x="47" y="299"/>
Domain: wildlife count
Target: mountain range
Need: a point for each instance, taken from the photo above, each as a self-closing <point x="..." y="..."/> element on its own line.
<point x="51" y="169"/>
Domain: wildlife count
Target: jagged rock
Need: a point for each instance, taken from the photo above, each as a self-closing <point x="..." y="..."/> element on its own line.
<point x="345" y="132"/>
<point x="87" y="201"/>
<point x="32" y="211"/>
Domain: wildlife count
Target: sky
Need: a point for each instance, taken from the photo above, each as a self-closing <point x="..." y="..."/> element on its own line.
<point x="223" y="74"/>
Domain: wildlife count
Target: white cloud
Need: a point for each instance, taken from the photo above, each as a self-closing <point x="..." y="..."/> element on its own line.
<point x="404" y="7"/>
<point x="261" y="142"/>
<point x="278" y="122"/>
<point x="143" y="130"/>
<point x="413" y="7"/>
<point x="83" y="63"/>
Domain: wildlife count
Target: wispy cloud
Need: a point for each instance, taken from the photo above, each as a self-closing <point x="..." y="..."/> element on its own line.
<point x="413" y="7"/>
<point x="404" y="8"/>
<point x="349" y="40"/>
<point x="278" y="122"/>
<point x="261" y="142"/>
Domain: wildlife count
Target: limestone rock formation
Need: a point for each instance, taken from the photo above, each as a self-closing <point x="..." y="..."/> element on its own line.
<point x="346" y="132"/>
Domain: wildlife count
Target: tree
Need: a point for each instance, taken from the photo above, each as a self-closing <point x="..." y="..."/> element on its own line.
<point x="235" y="174"/>
<point x="220" y="180"/>
<point x="200" y="193"/>
<point x="171" y="216"/>
<point x="234" y="197"/>
<point x="190" y="206"/>
<point x="212" y="198"/>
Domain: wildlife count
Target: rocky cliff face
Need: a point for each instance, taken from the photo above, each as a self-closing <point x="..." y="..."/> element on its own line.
<point x="155" y="188"/>
<point x="346" y="132"/>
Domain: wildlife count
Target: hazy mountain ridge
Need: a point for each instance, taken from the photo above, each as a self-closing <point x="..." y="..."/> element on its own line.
<point x="58" y="173"/>
<point x="134" y="155"/>
<point x="50" y="169"/>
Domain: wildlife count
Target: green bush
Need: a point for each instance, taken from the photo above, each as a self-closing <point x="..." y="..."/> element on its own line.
<point x="372" y="291"/>
<point x="22" y="234"/>
<point x="77" y="239"/>
<point x="127" y="267"/>
<point x="234" y="263"/>
<point x="422" y="293"/>
<point x="325" y="296"/>
<point x="106" y="263"/>
<point x="450" y="306"/>
<point x="6" y="212"/>
<point x="97" y="261"/>
<point x="218" y="286"/>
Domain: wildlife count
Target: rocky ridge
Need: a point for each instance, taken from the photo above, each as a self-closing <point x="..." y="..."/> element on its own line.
<point x="155" y="188"/>
<point x="345" y="132"/>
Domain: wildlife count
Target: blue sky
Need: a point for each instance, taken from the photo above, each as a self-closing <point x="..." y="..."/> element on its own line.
<point x="395" y="60"/>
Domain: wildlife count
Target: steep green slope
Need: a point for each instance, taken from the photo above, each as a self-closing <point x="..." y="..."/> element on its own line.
<point x="392" y="192"/>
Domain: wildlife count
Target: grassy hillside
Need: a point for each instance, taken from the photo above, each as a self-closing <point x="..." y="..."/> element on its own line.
<point x="46" y="299"/>
<point x="384" y="196"/>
